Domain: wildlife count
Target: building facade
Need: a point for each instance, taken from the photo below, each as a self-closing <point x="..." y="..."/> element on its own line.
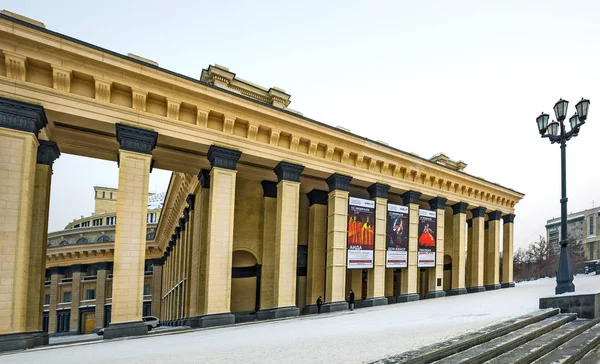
<point x="78" y="281"/>
<point x="582" y="228"/>
<point x="266" y="209"/>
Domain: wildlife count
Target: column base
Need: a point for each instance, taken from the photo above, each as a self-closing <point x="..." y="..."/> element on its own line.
<point x="244" y="316"/>
<point x="507" y="284"/>
<point x="456" y="292"/>
<point x="21" y="341"/>
<point x="114" y="331"/>
<point x="376" y="301"/>
<point x="435" y="294"/>
<point x="335" y="306"/>
<point x="492" y="287"/>
<point x="219" y="319"/>
<point x="40" y="338"/>
<point x="476" y="289"/>
<point x="310" y="309"/>
<point x="278" y="312"/>
<point x="408" y="297"/>
<point x="391" y="299"/>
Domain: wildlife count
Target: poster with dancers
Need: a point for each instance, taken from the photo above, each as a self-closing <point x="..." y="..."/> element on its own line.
<point x="396" y="255"/>
<point x="361" y="233"/>
<point x="427" y="238"/>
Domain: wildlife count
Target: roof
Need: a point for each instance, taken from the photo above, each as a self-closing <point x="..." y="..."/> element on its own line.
<point x="156" y="200"/>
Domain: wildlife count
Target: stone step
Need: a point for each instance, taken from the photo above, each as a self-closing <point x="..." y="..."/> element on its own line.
<point x="593" y="357"/>
<point x="431" y="353"/>
<point x="573" y="350"/>
<point x="491" y="349"/>
<point x="544" y="344"/>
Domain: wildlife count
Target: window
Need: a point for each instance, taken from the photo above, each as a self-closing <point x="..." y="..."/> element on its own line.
<point x="111" y="195"/>
<point x="103" y="194"/>
<point x="591" y="222"/>
<point x="148" y="267"/>
<point x="150" y="235"/>
<point x="47" y="299"/>
<point x="103" y="239"/>
<point x="63" y="243"/>
<point x="75" y="226"/>
<point x="146" y="289"/>
<point x="152" y="218"/>
<point x="82" y="241"/>
<point x="97" y="222"/>
<point x="111" y="220"/>
<point x="85" y="224"/>
<point x="90" y="294"/>
<point x="67" y="296"/>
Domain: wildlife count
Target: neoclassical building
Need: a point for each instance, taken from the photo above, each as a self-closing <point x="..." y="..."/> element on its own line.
<point x="79" y="264"/>
<point x="266" y="209"/>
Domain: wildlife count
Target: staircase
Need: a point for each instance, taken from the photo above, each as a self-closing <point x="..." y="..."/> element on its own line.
<point x="542" y="337"/>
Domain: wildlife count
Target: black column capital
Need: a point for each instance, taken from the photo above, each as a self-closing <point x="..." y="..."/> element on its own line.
<point x="181" y="224"/>
<point x="191" y="200"/>
<point x="102" y="266"/>
<point x="54" y="270"/>
<point x="378" y="190"/>
<point x="136" y="139"/>
<point x="486" y="225"/>
<point x="409" y="197"/>
<point x="269" y="189"/>
<point x="157" y="262"/>
<point x="338" y="182"/>
<point x="460" y="208"/>
<point x="318" y="197"/>
<point x="509" y="219"/>
<point x="494" y="215"/>
<point x="437" y="203"/>
<point x="23" y="116"/>
<point x="469" y="223"/>
<point x="225" y="158"/>
<point x="288" y="172"/>
<point x="186" y="214"/>
<point x="478" y="212"/>
<point x="168" y="253"/>
<point x="77" y="268"/>
<point x="47" y="153"/>
<point x="204" y="178"/>
<point x="173" y="239"/>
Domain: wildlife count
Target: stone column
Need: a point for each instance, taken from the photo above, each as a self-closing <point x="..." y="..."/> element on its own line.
<point x="156" y="286"/>
<point x="507" y="251"/>
<point x="408" y="279"/>
<point x="267" y="300"/>
<point x="285" y="251"/>
<point x="492" y="252"/>
<point x="19" y="125"/>
<point x="189" y="228"/>
<point x="389" y="285"/>
<point x="435" y="286"/>
<point x="53" y="300"/>
<point x="317" y="244"/>
<point x="475" y="250"/>
<point x="337" y="235"/>
<point x="376" y="276"/>
<point x="220" y="236"/>
<point x="179" y="250"/>
<point x="75" y="298"/>
<point x="46" y="155"/>
<point x="459" y="223"/>
<point x="135" y="156"/>
<point x="100" y="294"/>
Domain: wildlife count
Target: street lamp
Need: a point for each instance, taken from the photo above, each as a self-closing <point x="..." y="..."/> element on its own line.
<point x="556" y="132"/>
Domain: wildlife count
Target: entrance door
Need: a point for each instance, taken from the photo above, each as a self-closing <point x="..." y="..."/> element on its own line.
<point x="89" y="322"/>
<point x="423" y="280"/>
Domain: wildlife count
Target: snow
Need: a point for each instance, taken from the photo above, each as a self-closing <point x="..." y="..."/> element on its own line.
<point x="359" y="336"/>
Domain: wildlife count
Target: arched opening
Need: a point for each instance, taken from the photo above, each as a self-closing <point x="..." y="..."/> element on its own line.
<point x="447" y="272"/>
<point x="244" y="285"/>
<point x="81" y="240"/>
<point x="103" y="239"/>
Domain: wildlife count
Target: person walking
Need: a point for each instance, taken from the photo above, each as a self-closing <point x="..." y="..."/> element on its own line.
<point x="351" y="300"/>
<point x="319" y="304"/>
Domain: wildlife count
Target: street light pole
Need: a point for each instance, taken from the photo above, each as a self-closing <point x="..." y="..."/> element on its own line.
<point x="557" y="133"/>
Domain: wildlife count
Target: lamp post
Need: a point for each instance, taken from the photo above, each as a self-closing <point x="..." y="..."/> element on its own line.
<point x="556" y="132"/>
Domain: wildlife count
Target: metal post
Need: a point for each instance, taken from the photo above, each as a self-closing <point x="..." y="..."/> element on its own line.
<point x="564" y="276"/>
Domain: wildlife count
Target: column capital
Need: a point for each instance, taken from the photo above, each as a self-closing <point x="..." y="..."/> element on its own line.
<point x="338" y="182"/>
<point x="478" y="212"/>
<point x="157" y="261"/>
<point x="460" y="208"/>
<point x="23" y="116"/>
<point x="102" y="266"/>
<point x="47" y="152"/>
<point x="76" y="268"/>
<point x="437" y="203"/>
<point x="494" y="215"/>
<point x="204" y="178"/>
<point x="181" y="224"/>
<point x="509" y="219"/>
<point x="318" y="197"/>
<point x="378" y="190"/>
<point x="168" y="250"/>
<point x="191" y="199"/>
<point x="286" y="171"/>
<point x="486" y="225"/>
<point x="409" y="197"/>
<point x="469" y="223"/>
<point x="186" y="214"/>
<point x="54" y="270"/>
<point x="269" y="189"/>
<point x="135" y="139"/>
<point x="225" y="158"/>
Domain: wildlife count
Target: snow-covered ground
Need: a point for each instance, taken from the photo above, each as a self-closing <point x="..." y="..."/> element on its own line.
<point x="344" y="337"/>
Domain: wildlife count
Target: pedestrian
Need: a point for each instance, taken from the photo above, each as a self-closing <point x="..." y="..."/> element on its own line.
<point x="319" y="304"/>
<point x="351" y="300"/>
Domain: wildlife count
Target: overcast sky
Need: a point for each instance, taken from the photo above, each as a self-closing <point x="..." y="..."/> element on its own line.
<point x="467" y="78"/>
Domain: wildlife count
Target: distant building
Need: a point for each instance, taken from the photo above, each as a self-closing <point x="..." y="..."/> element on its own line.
<point x="582" y="226"/>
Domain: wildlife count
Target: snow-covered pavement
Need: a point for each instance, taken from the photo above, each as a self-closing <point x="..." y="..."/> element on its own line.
<point x="344" y="337"/>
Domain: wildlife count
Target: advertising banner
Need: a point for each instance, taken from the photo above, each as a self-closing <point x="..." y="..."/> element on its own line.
<point x="361" y="233"/>
<point x="427" y="238"/>
<point x="396" y="255"/>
